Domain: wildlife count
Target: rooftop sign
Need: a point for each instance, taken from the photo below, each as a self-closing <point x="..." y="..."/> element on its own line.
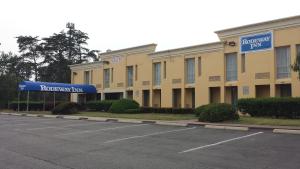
<point x="256" y="42"/>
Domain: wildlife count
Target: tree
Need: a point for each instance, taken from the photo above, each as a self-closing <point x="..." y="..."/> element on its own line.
<point x="13" y="69"/>
<point x="30" y="50"/>
<point x="296" y="65"/>
<point x="63" y="49"/>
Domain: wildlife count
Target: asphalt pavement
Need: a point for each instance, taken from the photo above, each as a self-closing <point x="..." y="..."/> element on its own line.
<point x="37" y="142"/>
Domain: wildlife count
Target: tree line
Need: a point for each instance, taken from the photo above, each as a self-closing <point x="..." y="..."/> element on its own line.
<point x="43" y="59"/>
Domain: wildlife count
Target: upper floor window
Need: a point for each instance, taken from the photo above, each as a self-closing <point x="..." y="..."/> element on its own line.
<point x="87" y="77"/>
<point x="231" y="66"/>
<point x="199" y="66"/>
<point x="190" y="70"/>
<point x="298" y="50"/>
<point x="106" y="78"/>
<point x="283" y="62"/>
<point x="136" y="72"/>
<point x="129" y="76"/>
<point x="157" y="73"/>
<point x="165" y="69"/>
<point x="243" y="60"/>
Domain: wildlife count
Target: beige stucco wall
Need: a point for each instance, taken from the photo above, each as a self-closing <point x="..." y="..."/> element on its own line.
<point x="212" y="70"/>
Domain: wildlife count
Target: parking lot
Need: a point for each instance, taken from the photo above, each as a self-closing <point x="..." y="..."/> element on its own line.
<point x="36" y="142"/>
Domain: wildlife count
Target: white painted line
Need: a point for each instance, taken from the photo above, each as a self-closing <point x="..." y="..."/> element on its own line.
<point x="104" y="129"/>
<point x="218" y="143"/>
<point x="146" y="135"/>
<point x="62" y="127"/>
<point x="12" y="125"/>
<point x="286" y="131"/>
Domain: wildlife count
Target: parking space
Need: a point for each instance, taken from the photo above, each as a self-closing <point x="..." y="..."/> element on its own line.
<point x="35" y="142"/>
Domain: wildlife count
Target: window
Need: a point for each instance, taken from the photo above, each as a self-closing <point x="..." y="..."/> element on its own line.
<point x="165" y="69"/>
<point x="156" y="73"/>
<point x="190" y="70"/>
<point x="283" y="62"/>
<point x="106" y="78"/>
<point x="298" y="50"/>
<point x="87" y="77"/>
<point x="199" y="66"/>
<point x="112" y="75"/>
<point x="231" y="67"/>
<point x="243" y="60"/>
<point x="129" y="76"/>
<point x="136" y="72"/>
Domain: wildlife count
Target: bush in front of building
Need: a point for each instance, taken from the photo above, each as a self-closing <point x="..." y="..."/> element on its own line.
<point x="270" y="107"/>
<point x="32" y="106"/>
<point x="66" y="108"/>
<point x="216" y="112"/>
<point x="97" y="105"/>
<point x="167" y="110"/>
<point x="123" y="105"/>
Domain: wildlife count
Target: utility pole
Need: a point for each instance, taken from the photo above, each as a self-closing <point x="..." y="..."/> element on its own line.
<point x="71" y="27"/>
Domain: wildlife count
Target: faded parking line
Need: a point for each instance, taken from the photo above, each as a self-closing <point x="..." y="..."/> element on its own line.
<point x="62" y="127"/>
<point x="146" y="135"/>
<point x="218" y="143"/>
<point x="104" y="129"/>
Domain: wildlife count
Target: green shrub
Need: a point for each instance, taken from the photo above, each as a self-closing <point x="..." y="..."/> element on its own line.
<point x="216" y="112"/>
<point x="120" y="106"/>
<point x="270" y="107"/>
<point x="66" y="108"/>
<point x="103" y="105"/>
<point x="133" y="111"/>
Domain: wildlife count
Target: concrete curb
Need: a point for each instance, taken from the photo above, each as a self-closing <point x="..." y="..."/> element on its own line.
<point x="226" y="127"/>
<point x="239" y="127"/>
<point x="284" y="131"/>
<point x="96" y="119"/>
<point x="129" y="121"/>
<point x="171" y="123"/>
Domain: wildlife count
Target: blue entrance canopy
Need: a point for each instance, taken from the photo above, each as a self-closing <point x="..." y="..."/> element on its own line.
<point x="56" y="87"/>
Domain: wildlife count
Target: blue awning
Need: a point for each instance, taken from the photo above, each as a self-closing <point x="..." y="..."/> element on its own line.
<point x="56" y="87"/>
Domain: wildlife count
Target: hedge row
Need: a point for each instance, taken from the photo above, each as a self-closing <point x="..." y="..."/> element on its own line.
<point x="167" y="110"/>
<point x="33" y="106"/>
<point x="272" y="107"/>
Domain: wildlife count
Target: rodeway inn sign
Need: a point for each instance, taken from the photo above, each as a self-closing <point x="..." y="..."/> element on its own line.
<point x="256" y="42"/>
<point x="56" y="87"/>
<point x="61" y="89"/>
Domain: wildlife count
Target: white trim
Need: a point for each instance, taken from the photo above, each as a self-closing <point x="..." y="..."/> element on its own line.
<point x="260" y="27"/>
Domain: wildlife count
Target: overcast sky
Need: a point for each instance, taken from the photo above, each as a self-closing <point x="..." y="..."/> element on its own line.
<point x="117" y="24"/>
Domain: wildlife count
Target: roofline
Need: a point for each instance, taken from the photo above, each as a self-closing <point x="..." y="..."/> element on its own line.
<point x="205" y="47"/>
<point x="224" y="31"/>
<point x="85" y="64"/>
<point x="128" y="49"/>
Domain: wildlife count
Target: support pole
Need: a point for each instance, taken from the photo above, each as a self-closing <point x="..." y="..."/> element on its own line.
<point x="54" y="100"/>
<point x="18" y="100"/>
<point x="44" y="105"/>
<point x="27" y="109"/>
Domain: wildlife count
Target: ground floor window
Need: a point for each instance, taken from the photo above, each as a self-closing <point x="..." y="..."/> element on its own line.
<point x="262" y="91"/>
<point x="283" y="90"/>
<point x="214" y="95"/>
